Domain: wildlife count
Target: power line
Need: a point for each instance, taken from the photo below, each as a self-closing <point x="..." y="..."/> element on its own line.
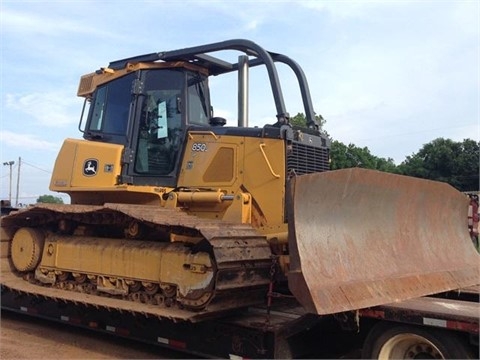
<point x="36" y="167"/>
<point x="14" y="167"/>
<point x="21" y="161"/>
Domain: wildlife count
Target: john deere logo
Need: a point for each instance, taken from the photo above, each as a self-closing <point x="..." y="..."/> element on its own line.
<point x="90" y="167"/>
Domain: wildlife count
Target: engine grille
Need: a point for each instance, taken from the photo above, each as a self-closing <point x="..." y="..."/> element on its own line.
<point x="306" y="159"/>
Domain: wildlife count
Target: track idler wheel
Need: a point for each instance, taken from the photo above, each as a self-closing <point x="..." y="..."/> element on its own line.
<point x="27" y="248"/>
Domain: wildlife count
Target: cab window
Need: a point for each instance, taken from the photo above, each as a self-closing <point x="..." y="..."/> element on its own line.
<point x="111" y="105"/>
<point x="198" y="108"/>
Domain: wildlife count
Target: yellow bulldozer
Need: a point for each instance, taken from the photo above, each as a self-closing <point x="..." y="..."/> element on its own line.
<point x="174" y="214"/>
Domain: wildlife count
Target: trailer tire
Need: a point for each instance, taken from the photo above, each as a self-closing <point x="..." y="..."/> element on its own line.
<point x="393" y="341"/>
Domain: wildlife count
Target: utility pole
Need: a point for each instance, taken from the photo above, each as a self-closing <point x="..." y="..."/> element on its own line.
<point x="18" y="180"/>
<point x="10" y="163"/>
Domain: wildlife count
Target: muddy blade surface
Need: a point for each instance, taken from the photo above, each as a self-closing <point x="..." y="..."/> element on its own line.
<point x="360" y="238"/>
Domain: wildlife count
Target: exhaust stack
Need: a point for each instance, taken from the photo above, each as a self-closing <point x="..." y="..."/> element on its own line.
<point x="243" y="91"/>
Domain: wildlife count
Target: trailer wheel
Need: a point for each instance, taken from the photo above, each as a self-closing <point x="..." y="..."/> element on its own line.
<point x="392" y="341"/>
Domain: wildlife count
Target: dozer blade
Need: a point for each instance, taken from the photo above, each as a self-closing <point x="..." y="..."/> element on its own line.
<point x="360" y="238"/>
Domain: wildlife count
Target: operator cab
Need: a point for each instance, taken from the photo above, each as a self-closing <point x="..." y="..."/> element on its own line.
<point x="148" y="111"/>
<point x="147" y="104"/>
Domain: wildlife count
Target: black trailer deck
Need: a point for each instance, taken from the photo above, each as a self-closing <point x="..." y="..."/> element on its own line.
<point x="283" y="331"/>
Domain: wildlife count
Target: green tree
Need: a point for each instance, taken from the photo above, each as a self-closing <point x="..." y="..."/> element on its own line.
<point x="347" y="156"/>
<point x="49" y="199"/>
<point x="344" y="156"/>
<point x="456" y="163"/>
<point x="301" y="120"/>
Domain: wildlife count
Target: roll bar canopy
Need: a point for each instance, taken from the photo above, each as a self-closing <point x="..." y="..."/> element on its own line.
<point x="198" y="55"/>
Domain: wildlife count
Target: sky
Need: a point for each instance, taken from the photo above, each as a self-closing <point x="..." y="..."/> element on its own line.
<point x="387" y="75"/>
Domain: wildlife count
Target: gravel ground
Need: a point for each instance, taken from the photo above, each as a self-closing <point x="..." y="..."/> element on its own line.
<point x="23" y="337"/>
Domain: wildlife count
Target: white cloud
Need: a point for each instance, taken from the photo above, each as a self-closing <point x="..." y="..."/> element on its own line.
<point x="466" y="18"/>
<point x="47" y="24"/>
<point x="252" y="24"/>
<point x="345" y="9"/>
<point x="26" y="141"/>
<point x="400" y="81"/>
<point x="390" y="75"/>
<point x="52" y="109"/>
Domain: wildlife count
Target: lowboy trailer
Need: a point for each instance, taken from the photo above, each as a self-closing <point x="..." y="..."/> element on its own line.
<point x="442" y="326"/>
